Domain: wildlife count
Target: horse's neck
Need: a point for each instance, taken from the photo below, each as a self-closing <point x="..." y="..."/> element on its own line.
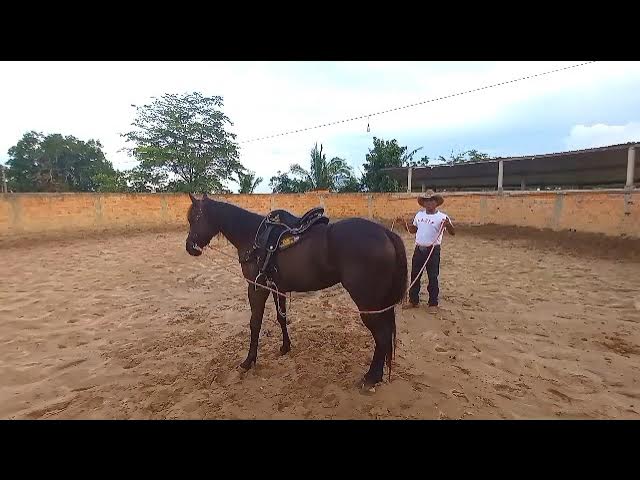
<point x="239" y="226"/>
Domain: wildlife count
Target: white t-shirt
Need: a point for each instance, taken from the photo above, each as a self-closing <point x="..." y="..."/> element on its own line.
<point x="428" y="227"/>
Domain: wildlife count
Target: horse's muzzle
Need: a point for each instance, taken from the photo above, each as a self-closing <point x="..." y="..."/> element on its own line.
<point x="193" y="249"/>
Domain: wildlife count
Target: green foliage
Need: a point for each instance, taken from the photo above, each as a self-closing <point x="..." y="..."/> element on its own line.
<point x="323" y="174"/>
<point x="334" y="175"/>
<point x="465" y="157"/>
<point x="57" y="163"/>
<point x="248" y="182"/>
<point x="423" y="162"/>
<point x="115" y="182"/>
<point x="144" y="180"/>
<point x="350" y="185"/>
<point x="283" y="183"/>
<point x="184" y="137"/>
<point x="387" y="154"/>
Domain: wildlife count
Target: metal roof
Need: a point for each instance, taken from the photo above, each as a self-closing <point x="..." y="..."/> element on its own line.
<point x="593" y="166"/>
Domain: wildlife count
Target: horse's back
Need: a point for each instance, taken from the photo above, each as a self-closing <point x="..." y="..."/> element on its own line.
<point x="360" y="239"/>
<point x="360" y="230"/>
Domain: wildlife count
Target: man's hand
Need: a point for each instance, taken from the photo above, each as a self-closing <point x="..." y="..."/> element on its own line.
<point x="449" y="226"/>
<point x="407" y="223"/>
<point x="411" y="228"/>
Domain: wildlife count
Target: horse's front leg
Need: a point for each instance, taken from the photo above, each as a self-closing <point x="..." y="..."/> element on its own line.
<point x="281" y="307"/>
<point x="257" y="299"/>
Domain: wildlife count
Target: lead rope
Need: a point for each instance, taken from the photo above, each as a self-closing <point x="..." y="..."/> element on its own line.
<point x="361" y="312"/>
<point x="282" y="314"/>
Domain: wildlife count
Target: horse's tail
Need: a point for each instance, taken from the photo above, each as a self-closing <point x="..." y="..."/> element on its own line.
<point x="399" y="282"/>
<point x="398" y="290"/>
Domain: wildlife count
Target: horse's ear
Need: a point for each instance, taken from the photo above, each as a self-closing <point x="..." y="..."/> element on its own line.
<point x="193" y="199"/>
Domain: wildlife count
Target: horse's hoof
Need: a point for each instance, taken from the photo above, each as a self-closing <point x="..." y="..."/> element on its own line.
<point x="366" y="386"/>
<point x="367" y="389"/>
<point x="284" y="350"/>
<point x="246" y="366"/>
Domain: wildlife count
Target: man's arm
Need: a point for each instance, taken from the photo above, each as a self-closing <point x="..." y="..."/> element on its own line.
<point x="449" y="226"/>
<point x="410" y="224"/>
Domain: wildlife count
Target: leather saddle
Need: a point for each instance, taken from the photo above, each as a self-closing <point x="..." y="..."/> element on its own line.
<point x="280" y="230"/>
<point x="282" y="217"/>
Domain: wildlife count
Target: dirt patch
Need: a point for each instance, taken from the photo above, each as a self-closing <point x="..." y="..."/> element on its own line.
<point x="590" y="245"/>
<point x="133" y="327"/>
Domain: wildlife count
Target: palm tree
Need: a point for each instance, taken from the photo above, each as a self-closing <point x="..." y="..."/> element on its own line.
<point x="248" y="182"/>
<point x="323" y="175"/>
<point x="407" y="159"/>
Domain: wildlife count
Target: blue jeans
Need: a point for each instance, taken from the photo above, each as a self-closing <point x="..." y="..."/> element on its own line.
<point x="420" y="255"/>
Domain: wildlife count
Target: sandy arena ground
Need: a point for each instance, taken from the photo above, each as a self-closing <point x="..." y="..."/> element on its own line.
<point x="136" y="328"/>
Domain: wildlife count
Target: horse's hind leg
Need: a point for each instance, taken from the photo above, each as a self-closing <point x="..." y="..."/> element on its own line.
<point x="381" y="326"/>
<point x="366" y="294"/>
<point x="281" y="306"/>
<point x="257" y="299"/>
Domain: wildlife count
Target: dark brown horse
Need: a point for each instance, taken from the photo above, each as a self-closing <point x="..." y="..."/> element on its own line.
<point x="369" y="260"/>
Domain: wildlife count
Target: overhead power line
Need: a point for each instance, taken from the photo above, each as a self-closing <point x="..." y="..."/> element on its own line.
<point x="431" y="100"/>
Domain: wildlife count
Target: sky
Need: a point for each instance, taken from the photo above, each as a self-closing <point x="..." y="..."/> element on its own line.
<point x="592" y="105"/>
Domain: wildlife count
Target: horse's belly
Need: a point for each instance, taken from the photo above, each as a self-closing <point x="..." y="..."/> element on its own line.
<point x="308" y="286"/>
<point x="298" y="273"/>
<point x="305" y="279"/>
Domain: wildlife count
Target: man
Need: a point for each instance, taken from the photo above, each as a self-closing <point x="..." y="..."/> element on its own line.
<point x="426" y="225"/>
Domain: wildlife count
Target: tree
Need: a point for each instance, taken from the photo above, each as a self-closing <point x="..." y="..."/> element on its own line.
<point x="283" y="183"/>
<point x="465" y="157"/>
<point x="144" y="180"/>
<point x="57" y="163"/>
<point x="248" y="181"/>
<point x="423" y="162"/>
<point x="323" y="174"/>
<point x="334" y="175"/>
<point x="184" y="138"/>
<point x="387" y="154"/>
<point x="351" y="184"/>
<point x="476" y="156"/>
<point x="114" y="182"/>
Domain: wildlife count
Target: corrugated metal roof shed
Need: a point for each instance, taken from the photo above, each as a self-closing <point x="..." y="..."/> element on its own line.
<point x="577" y="168"/>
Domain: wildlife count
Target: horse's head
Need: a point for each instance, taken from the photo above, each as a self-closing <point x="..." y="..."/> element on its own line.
<point x="201" y="228"/>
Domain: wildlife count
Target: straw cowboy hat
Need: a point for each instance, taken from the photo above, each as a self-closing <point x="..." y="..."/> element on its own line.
<point x="428" y="195"/>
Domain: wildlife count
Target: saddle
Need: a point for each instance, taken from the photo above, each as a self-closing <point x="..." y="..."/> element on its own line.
<point x="280" y="230"/>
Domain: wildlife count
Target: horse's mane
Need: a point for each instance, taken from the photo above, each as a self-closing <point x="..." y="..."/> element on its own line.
<point x="244" y="221"/>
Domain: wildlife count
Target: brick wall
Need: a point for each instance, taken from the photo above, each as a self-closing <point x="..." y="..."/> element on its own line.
<point x="612" y="212"/>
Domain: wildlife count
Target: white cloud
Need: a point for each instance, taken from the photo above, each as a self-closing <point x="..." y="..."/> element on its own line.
<point x="601" y="135"/>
